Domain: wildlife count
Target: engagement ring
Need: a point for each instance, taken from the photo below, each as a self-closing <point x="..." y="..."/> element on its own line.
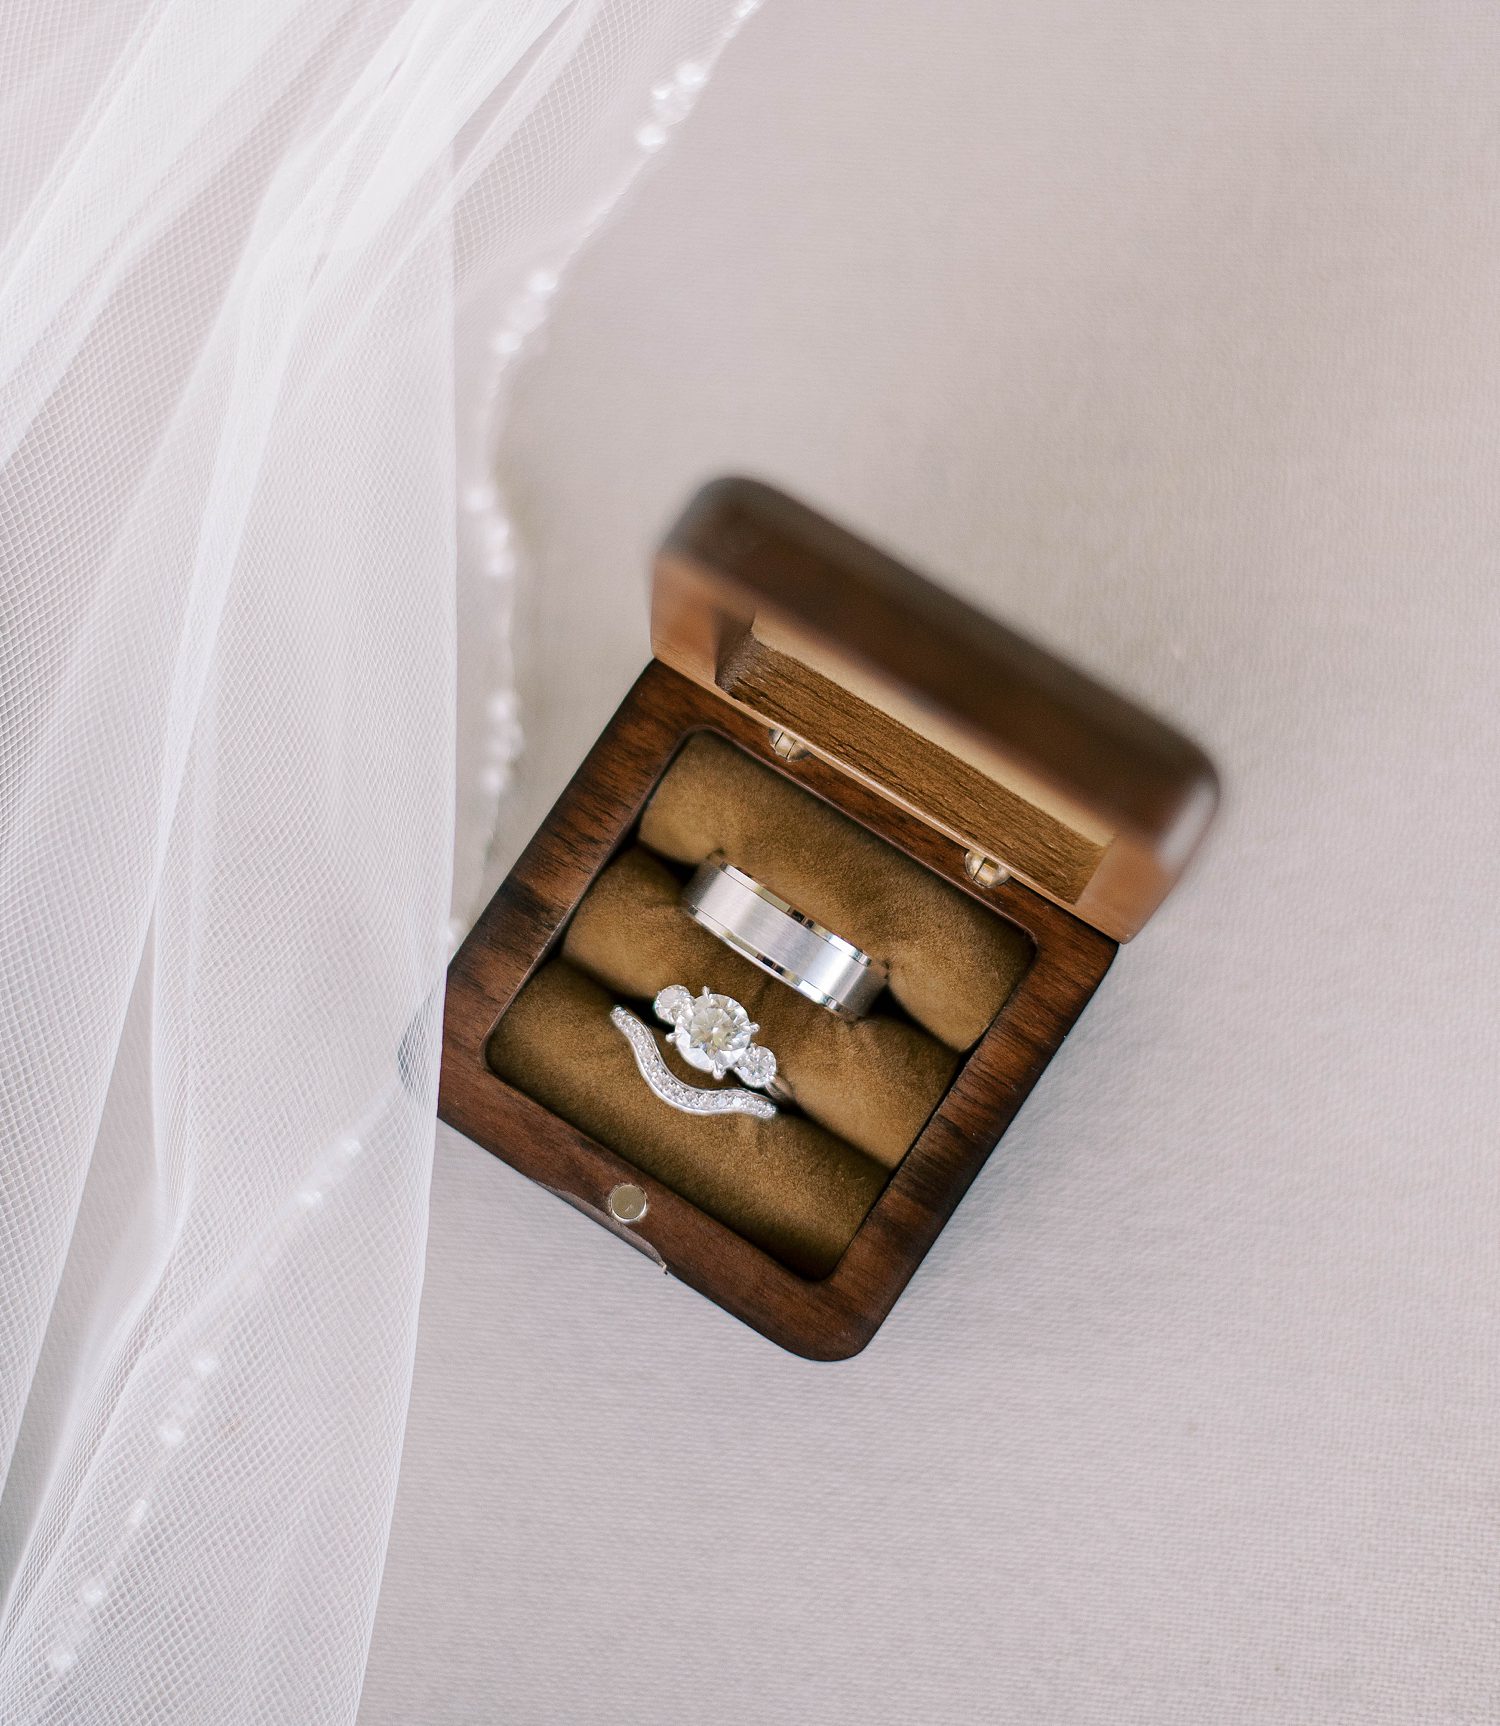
<point x="711" y="1032"/>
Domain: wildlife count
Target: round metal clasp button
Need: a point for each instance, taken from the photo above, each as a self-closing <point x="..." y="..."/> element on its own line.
<point x="626" y="1202"/>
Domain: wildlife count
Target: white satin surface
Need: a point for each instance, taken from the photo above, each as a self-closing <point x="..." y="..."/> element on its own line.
<point x="1169" y="333"/>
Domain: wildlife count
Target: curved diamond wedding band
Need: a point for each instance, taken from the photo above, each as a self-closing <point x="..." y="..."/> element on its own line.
<point x="713" y="1033"/>
<point x="769" y="933"/>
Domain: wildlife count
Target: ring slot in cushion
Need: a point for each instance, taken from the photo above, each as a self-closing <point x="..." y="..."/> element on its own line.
<point x="952" y="963"/>
<point x="873" y="1082"/>
<point x="793" y="1189"/>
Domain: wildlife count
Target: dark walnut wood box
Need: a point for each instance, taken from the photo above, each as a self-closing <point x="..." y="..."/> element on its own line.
<point x="1038" y="796"/>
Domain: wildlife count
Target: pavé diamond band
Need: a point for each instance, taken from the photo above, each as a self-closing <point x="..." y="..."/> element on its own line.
<point x="713" y="1033"/>
<point x="768" y="932"/>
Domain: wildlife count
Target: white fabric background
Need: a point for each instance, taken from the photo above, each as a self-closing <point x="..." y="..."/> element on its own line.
<point x="1168" y="332"/>
<point x="234" y="241"/>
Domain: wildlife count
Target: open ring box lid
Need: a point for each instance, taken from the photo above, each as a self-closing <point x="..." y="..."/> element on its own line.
<point x="1062" y="808"/>
<point x="1013" y="754"/>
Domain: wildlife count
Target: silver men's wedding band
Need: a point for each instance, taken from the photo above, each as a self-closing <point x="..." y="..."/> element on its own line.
<point x="767" y="931"/>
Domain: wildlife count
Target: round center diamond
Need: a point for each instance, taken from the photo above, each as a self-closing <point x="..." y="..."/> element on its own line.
<point x="713" y="1032"/>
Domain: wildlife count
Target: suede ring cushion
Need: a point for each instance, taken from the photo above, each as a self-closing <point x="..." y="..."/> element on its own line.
<point x="799" y="1185"/>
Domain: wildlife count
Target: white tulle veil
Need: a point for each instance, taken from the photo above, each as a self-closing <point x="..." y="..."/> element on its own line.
<point x="243" y="502"/>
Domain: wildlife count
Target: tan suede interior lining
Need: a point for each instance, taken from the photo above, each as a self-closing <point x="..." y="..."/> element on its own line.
<point x="952" y="963"/>
<point x="800" y="1184"/>
<point x="785" y="1184"/>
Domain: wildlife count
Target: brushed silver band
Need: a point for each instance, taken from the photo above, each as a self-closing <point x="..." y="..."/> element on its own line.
<point x="768" y="932"/>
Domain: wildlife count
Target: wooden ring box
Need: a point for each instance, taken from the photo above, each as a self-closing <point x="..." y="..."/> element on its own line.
<point x="1021" y="784"/>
